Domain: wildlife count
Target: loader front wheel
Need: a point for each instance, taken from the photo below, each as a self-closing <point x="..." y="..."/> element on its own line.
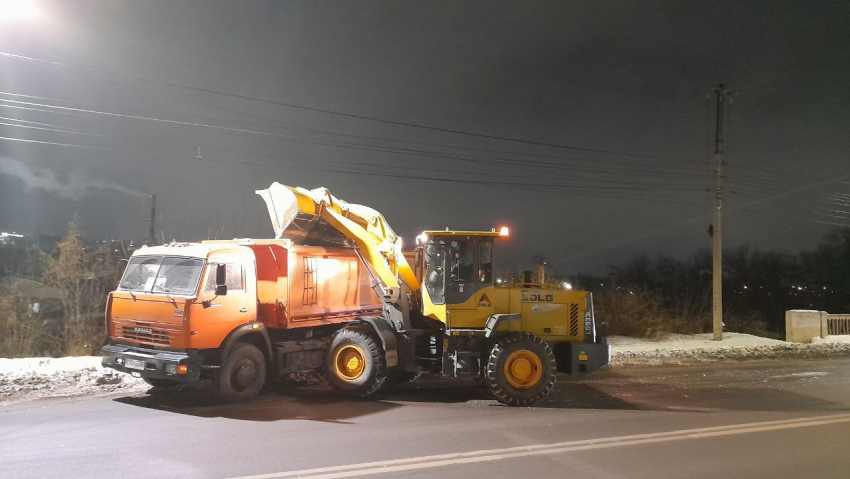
<point x="355" y="362"/>
<point x="521" y="369"/>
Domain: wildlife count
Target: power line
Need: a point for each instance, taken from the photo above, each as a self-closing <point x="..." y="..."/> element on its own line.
<point x="338" y="113"/>
<point x="32" y="106"/>
<point x="543" y="188"/>
<point x="634" y="185"/>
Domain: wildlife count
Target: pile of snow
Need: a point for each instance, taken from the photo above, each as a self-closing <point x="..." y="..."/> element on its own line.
<point x="845" y="338"/>
<point x="700" y="348"/>
<point x="33" y="378"/>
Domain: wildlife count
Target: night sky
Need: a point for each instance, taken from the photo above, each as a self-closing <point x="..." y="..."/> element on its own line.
<point x="606" y="99"/>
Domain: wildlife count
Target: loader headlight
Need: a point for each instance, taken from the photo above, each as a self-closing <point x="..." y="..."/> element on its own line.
<point x="171" y="368"/>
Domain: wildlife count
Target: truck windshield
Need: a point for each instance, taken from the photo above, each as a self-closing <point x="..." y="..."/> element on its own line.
<point x="162" y="274"/>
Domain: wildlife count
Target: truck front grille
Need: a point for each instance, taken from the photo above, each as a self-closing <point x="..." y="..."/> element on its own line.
<point x="143" y="332"/>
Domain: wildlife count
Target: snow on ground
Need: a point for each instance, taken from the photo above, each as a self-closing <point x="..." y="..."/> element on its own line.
<point x="690" y="342"/>
<point x="34" y="378"/>
<point x="845" y="338"/>
<point x="680" y="349"/>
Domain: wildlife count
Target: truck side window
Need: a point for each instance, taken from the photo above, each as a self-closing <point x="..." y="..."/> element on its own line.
<point x="461" y="261"/>
<point x="485" y="260"/>
<point x="235" y="278"/>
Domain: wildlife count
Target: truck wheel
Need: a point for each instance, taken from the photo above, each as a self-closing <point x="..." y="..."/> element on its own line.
<point x="398" y="378"/>
<point x="355" y="362"/>
<point x="160" y="383"/>
<point x="242" y="374"/>
<point x="521" y="369"/>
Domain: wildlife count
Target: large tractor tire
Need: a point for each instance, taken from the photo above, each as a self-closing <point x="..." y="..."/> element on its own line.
<point x="354" y="365"/>
<point x="242" y="374"/>
<point x="521" y="369"/>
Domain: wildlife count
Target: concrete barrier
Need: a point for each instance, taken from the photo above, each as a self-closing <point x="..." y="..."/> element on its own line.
<point x="801" y="325"/>
<point x="837" y="324"/>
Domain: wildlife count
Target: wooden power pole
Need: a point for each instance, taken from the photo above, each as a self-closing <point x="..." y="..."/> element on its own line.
<point x="720" y="94"/>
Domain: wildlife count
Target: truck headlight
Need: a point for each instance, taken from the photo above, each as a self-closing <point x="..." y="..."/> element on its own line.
<point x="171" y="368"/>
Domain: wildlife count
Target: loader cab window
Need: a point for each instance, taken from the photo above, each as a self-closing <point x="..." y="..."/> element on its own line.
<point x="435" y="266"/>
<point x="485" y="262"/>
<point x="462" y="261"/>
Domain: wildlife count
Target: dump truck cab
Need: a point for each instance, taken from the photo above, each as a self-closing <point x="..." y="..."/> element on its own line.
<point x="174" y="301"/>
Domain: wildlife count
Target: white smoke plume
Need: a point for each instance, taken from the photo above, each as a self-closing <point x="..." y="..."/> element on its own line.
<point x="72" y="186"/>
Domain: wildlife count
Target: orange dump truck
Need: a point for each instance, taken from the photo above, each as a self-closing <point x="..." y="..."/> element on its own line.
<point x="180" y="308"/>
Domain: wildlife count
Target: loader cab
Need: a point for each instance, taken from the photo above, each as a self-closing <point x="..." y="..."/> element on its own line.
<point x="457" y="277"/>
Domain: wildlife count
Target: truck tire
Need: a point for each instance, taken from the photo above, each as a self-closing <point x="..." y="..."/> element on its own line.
<point x="160" y="383"/>
<point x="397" y="378"/>
<point x="242" y="374"/>
<point x="355" y="362"/>
<point x="521" y="369"/>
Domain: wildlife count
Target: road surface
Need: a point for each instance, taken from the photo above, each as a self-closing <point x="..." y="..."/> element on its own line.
<point x="757" y="420"/>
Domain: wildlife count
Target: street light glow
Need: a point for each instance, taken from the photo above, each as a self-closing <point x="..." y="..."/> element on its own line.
<point x="17" y="10"/>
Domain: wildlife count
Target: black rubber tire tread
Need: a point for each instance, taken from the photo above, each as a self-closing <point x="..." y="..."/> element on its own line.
<point x="375" y="370"/>
<point x="221" y="385"/>
<point x="397" y="378"/>
<point x="160" y="382"/>
<point x="498" y="385"/>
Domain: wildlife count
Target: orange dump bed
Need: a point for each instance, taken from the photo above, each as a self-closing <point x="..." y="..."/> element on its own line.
<point x="305" y="286"/>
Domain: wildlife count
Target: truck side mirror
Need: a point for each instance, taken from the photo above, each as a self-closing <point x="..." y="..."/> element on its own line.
<point x="220" y="280"/>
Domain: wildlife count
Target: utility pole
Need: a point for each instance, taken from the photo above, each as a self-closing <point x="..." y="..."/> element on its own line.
<point x="720" y="94"/>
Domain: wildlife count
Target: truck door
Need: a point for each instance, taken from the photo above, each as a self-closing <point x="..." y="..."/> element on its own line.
<point x="223" y="313"/>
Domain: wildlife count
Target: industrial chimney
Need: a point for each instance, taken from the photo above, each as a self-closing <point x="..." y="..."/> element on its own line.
<point x="152" y="223"/>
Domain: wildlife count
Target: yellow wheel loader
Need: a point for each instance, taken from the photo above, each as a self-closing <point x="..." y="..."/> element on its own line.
<point x="445" y="313"/>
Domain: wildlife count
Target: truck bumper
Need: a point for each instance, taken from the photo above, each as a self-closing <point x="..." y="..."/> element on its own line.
<point x="157" y="364"/>
<point x="577" y="359"/>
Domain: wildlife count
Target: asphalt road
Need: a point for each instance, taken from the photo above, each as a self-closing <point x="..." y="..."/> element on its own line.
<point x="758" y="420"/>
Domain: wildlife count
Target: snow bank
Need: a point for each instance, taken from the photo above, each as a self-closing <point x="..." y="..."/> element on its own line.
<point x="832" y="339"/>
<point x="680" y="349"/>
<point x="690" y="342"/>
<point x="33" y="378"/>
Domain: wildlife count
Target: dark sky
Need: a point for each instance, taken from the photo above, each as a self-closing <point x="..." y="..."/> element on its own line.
<point x="624" y="77"/>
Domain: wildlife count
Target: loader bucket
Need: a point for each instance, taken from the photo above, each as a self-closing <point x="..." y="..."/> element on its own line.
<point x="294" y="213"/>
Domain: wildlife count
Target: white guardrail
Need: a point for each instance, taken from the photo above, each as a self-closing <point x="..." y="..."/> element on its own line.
<point x="801" y="326"/>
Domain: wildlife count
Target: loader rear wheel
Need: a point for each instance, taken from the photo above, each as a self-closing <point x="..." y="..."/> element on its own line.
<point x="242" y="374"/>
<point x="521" y="369"/>
<point x="355" y="362"/>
